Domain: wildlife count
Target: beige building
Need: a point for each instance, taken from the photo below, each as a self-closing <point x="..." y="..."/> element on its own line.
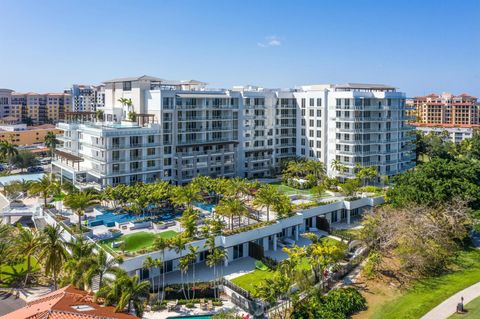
<point x="23" y="135"/>
<point x="446" y="108"/>
<point x="34" y="108"/>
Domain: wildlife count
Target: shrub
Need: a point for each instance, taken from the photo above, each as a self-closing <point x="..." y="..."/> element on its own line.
<point x="344" y="300"/>
<point x="270" y="262"/>
<point x="190" y="305"/>
<point x="371" y="266"/>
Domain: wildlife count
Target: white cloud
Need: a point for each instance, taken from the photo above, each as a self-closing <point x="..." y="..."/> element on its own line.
<point x="271" y="41"/>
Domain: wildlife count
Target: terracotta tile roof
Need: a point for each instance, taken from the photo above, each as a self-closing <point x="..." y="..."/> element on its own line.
<point x="66" y="303"/>
<point x="446" y="125"/>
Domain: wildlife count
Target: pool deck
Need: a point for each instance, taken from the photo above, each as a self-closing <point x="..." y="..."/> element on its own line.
<point x="184" y="311"/>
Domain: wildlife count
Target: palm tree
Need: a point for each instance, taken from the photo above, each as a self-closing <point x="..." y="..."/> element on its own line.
<point x="266" y="196"/>
<point x="186" y="195"/>
<point x="79" y="202"/>
<point x="336" y="165"/>
<point x="188" y="221"/>
<point x="231" y="208"/>
<point x="101" y="266"/>
<point x="178" y="244"/>
<point x="7" y="149"/>
<point x="51" y="142"/>
<point x="215" y="256"/>
<point x="45" y="187"/>
<point x="149" y="263"/>
<point x="161" y="244"/>
<point x="126" y="103"/>
<point x="192" y="255"/>
<point x="27" y="243"/>
<point x="52" y="251"/>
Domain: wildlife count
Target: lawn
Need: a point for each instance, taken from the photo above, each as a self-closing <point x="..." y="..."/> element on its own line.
<point x="6" y="270"/>
<point x="291" y="191"/>
<point x="426" y="294"/>
<point x="252" y="279"/>
<point x="473" y="308"/>
<point x="138" y="241"/>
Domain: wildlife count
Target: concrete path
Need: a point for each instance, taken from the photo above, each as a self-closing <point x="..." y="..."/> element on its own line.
<point x="449" y="306"/>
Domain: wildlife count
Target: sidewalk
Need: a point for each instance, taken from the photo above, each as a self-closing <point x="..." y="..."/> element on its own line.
<point x="449" y="306"/>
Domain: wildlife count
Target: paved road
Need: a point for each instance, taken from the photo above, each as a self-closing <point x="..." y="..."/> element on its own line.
<point x="9" y="303"/>
<point x="449" y="306"/>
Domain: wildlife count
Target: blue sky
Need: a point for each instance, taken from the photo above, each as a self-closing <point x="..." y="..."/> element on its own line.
<point x="418" y="46"/>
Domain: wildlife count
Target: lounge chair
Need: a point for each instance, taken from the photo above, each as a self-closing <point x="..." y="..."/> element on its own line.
<point x="172" y="305"/>
<point x="203" y="304"/>
<point x="210" y="305"/>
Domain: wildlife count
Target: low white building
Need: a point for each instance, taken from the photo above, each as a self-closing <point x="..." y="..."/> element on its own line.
<point x="452" y="132"/>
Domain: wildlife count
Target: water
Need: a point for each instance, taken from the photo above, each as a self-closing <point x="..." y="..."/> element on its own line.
<point x="108" y="218"/>
<point x="28" y="177"/>
<point x="205" y="206"/>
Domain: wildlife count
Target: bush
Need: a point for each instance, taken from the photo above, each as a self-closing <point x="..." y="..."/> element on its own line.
<point x="270" y="262"/>
<point x="344" y="300"/>
<point x="190" y="305"/>
<point x="371" y="266"/>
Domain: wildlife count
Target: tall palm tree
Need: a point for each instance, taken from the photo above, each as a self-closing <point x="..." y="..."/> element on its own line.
<point x="51" y="142"/>
<point x="186" y="195"/>
<point x="336" y="165"/>
<point x="266" y="196"/>
<point x="45" y="187"/>
<point x="162" y="244"/>
<point x="149" y="263"/>
<point x="27" y="243"/>
<point x="101" y="266"/>
<point x="79" y="202"/>
<point x="192" y="256"/>
<point x="7" y="149"/>
<point x="178" y="244"/>
<point x="133" y="293"/>
<point x="216" y="256"/>
<point x="52" y="251"/>
<point x="231" y="208"/>
<point x="188" y="221"/>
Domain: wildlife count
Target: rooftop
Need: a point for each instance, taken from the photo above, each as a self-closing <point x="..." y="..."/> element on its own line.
<point x="136" y="78"/>
<point x="66" y="303"/>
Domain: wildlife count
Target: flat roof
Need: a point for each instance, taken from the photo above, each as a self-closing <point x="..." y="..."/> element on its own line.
<point x="364" y="86"/>
<point x="135" y="78"/>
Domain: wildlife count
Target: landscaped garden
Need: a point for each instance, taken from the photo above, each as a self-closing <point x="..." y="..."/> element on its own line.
<point x="472" y="308"/>
<point x="136" y="241"/>
<point x="8" y="272"/>
<point x="428" y="293"/>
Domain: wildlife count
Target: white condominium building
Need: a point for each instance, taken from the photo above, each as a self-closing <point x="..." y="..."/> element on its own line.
<point x="87" y="98"/>
<point x="176" y="130"/>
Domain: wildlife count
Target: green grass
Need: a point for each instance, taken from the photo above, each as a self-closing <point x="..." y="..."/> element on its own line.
<point x="473" y="308"/>
<point x="137" y="241"/>
<point x="7" y="270"/>
<point x="426" y="294"/>
<point x="291" y="191"/>
<point x="252" y="279"/>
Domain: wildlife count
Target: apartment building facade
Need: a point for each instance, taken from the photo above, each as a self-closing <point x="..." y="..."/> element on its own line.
<point x="34" y="108"/>
<point x="182" y="129"/>
<point x="87" y="98"/>
<point x="447" y="108"/>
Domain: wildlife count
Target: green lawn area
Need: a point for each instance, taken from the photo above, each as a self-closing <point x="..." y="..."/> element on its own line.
<point x="426" y="294"/>
<point x="137" y="241"/>
<point x="473" y="308"/>
<point x="250" y="280"/>
<point x="290" y="190"/>
<point x="6" y="270"/>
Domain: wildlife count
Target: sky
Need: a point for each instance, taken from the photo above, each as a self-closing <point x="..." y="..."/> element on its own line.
<point x="418" y="46"/>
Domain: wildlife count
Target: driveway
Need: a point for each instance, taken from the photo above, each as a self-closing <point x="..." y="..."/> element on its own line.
<point x="9" y="303"/>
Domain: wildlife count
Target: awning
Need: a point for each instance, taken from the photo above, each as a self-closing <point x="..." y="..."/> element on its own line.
<point x="68" y="156"/>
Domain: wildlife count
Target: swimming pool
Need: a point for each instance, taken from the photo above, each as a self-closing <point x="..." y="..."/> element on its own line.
<point x="28" y="177"/>
<point x="109" y="218"/>
<point x="205" y="206"/>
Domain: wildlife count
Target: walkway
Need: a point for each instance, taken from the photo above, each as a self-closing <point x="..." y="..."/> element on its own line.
<point x="448" y="307"/>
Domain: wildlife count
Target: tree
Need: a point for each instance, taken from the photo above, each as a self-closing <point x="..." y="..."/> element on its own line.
<point x="45" y="187"/>
<point x="23" y="160"/>
<point x="188" y="221"/>
<point x="125" y="292"/>
<point x="81" y="260"/>
<point x="79" y="202"/>
<point x="186" y="195"/>
<point x="101" y="266"/>
<point x="51" y="142"/>
<point x="350" y="187"/>
<point x="162" y="244"/>
<point x="27" y="243"/>
<point x="7" y="150"/>
<point x="52" y="251"/>
<point x="231" y="208"/>
<point x="266" y="196"/>
<point x="273" y="290"/>
<point x="336" y="165"/>
<point x="178" y="243"/>
<point x="366" y="173"/>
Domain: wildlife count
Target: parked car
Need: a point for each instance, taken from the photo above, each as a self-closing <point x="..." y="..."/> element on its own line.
<point x="35" y="169"/>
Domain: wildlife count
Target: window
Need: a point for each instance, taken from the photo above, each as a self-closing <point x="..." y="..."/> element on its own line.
<point x="151" y="139"/>
<point x="150" y="151"/>
<point x="127" y="86"/>
<point x="238" y="251"/>
<point x="319" y="102"/>
<point x="303" y="102"/>
<point x="312" y="102"/>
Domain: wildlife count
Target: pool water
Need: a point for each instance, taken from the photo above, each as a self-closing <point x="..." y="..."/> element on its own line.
<point x="205" y="206"/>
<point x="109" y="218"/>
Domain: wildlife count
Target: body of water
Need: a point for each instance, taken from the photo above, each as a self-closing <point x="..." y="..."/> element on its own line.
<point x="28" y="177"/>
